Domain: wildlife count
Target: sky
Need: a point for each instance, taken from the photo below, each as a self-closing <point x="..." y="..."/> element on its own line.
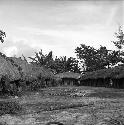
<point x="58" y="25"/>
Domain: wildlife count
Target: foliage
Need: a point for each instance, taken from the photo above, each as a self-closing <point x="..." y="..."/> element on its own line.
<point x="64" y="64"/>
<point x="89" y="56"/>
<point x="41" y="59"/>
<point x="120" y="43"/>
<point x="95" y="59"/>
<point x="2" y="35"/>
<point x="120" y="36"/>
<point x="12" y="108"/>
<point x="108" y="57"/>
<point x="56" y="65"/>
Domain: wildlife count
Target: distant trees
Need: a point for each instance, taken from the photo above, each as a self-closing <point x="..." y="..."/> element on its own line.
<point x="120" y="43"/>
<point x="95" y="59"/>
<point x="120" y="36"/>
<point x="92" y="58"/>
<point x="2" y="35"/>
<point x="57" y="65"/>
<point x="64" y="64"/>
<point x="107" y="58"/>
<point x="41" y="59"/>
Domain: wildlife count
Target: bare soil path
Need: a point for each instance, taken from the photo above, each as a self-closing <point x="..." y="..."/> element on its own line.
<point x="70" y="106"/>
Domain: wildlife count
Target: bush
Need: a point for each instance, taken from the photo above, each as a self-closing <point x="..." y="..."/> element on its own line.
<point x="12" y="108"/>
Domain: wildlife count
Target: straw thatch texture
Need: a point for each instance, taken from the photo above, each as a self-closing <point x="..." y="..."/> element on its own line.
<point x="42" y="72"/>
<point x="115" y="72"/>
<point x="31" y="72"/>
<point x="103" y="73"/>
<point x="71" y="75"/>
<point x="8" y="70"/>
<point x="25" y="69"/>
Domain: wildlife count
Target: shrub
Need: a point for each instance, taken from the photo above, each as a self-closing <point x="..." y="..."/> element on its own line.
<point x="12" y="108"/>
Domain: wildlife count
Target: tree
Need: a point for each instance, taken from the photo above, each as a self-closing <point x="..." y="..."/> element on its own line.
<point x="108" y="58"/>
<point x="120" y="36"/>
<point x="120" y="44"/>
<point x="2" y="35"/>
<point x="57" y="65"/>
<point x="72" y="65"/>
<point x="64" y="64"/>
<point x="43" y="60"/>
<point x="89" y="57"/>
<point x="95" y="59"/>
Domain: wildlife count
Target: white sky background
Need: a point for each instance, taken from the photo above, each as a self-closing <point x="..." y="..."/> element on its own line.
<point x="58" y="25"/>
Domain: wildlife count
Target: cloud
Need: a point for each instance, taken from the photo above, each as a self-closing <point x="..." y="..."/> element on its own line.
<point x="17" y="47"/>
<point x="88" y="33"/>
<point x="55" y="25"/>
<point x="10" y="51"/>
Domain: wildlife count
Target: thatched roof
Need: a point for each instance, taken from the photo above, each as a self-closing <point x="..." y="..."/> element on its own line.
<point x="103" y="73"/>
<point x="8" y="70"/>
<point x="42" y="71"/>
<point x="115" y="72"/>
<point x="68" y="75"/>
<point x="118" y="72"/>
<point x="26" y="71"/>
<point x="31" y="72"/>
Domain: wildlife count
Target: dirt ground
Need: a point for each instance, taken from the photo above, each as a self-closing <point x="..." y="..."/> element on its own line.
<point x="70" y="106"/>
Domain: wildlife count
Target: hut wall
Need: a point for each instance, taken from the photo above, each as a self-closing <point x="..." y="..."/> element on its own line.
<point x="48" y="82"/>
<point x="115" y="83"/>
<point x="65" y="82"/>
<point x="107" y="82"/>
<point x="118" y="83"/>
<point x="84" y="82"/>
<point x="121" y="83"/>
<point x="69" y="81"/>
<point x="100" y="82"/>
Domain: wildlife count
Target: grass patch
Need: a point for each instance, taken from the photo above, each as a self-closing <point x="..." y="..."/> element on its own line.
<point x="50" y="106"/>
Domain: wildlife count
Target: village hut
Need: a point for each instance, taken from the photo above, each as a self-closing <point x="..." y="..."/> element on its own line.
<point x="118" y="81"/>
<point x="69" y="78"/>
<point x="33" y="75"/>
<point x="9" y="74"/>
<point x="112" y="77"/>
<point x="44" y="75"/>
<point x="25" y="69"/>
<point x="99" y="78"/>
<point x="118" y="77"/>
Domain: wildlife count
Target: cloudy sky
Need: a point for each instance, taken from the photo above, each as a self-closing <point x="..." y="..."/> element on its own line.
<point x="58" y="25"/>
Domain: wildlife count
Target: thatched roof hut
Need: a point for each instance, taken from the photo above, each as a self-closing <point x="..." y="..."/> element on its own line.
<point x="8" y="70"/>
<point x="24" y="68"/>
<point x="104" y="77"/>
<point x="31" y="72"/>
<point x="104" y="73"/>
<point x="69" y="78"/>
<point x="68" y="75"/>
